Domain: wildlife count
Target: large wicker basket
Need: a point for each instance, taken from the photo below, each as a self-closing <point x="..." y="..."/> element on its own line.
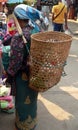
<point x="49" y="51"/>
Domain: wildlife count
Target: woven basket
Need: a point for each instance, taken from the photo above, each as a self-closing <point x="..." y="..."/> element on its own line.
<point x="49" y="51"/>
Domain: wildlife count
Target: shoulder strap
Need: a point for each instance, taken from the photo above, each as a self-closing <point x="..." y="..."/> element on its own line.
<point x="59" y="13"/>
<point x="19" y="29"/>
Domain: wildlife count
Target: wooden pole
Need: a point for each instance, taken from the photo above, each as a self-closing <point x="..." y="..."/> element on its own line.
<point x="18" y="27"/>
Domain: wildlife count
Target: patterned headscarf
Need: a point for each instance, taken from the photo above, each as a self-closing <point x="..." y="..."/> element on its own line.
<point x="23" y="11"/>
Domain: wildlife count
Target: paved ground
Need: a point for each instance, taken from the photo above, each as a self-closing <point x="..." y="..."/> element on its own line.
<point x="58" y="107"/>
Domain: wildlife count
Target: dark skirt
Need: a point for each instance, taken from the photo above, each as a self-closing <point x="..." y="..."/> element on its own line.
<point x="26" y="105"/>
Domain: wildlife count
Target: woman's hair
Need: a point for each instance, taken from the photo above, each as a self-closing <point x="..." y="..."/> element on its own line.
<point x="24" y="20"/>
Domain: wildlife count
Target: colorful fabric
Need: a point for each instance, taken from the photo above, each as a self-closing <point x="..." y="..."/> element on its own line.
<point x="11" y="27"/>
<point x="25" y="98"/>
<point x="27" y="12"/>
<point x="26" y="105"/>
<point x="17" y="51"/>
<point x="7" y="39"/>
<point x="56" y="9"/>
<point x="6" y="56"/>
<point x="1" y="35"/>
<point x="23" y="11"/>
<point x="6" y="100"/>
<point x="4" y="91"/>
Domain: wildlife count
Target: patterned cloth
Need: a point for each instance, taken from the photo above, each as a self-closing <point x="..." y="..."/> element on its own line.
<point x="18" y="71"/>
<point x="23" y="11"/>
<point x="18" y="76"/>
<point x="27" y="12"/>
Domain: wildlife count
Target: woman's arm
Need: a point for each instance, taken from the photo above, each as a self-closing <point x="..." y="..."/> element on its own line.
<point x="16" y="55"/>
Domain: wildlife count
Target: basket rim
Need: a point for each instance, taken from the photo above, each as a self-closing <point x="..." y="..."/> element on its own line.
<point x="54" y="32"/>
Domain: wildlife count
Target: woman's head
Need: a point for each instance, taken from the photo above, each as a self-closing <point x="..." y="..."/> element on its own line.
<point x="22" y="22"/>
<point x="21" y="15"/>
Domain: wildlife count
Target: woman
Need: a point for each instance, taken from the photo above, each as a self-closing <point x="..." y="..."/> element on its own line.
<point x="18" y="75"/>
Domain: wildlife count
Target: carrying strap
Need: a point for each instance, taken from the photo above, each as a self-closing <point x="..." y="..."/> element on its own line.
<point x="19" y="29"/>
<point x="59" y="13"/>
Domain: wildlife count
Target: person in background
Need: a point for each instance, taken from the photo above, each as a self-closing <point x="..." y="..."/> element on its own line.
<point x="38" y="5"/>
<point x="4" y="22"/>
<point x="71" y="12"/>
<point x="59" y="16"/>
<point x="5" y="9"/>
<point x="1" y="7"/>
<point x="64" y="2"/>
<point x="18" y="74"/>
<point x="46" y="10"/>
<point x="76" y="9"/>
<point x="45" y="23"/>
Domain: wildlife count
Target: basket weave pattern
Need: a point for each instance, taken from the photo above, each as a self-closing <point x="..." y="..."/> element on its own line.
<point x="49" y="50"/>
